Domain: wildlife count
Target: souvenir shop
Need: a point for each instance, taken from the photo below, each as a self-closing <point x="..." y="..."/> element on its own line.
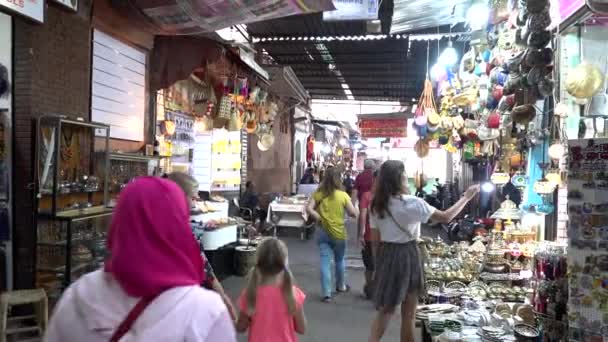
<point x="209" y="125"/>
<point x="501" y="109"/>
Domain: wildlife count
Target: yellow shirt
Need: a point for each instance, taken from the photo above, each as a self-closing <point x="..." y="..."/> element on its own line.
<point x="331" y="209"/>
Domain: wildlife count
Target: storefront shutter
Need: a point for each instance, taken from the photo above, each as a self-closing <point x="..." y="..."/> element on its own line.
<point x="118" y="87"/>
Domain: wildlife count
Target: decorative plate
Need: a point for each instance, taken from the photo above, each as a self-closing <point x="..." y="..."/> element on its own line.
<point x="456" y="285"/>
<point x="433" y="286"/>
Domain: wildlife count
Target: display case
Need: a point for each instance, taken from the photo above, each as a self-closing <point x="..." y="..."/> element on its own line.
<point x="124" y="167"/>
<point x="69" y="245"/>
<point x="71" y="187"/>
<point x="69" y="173"/>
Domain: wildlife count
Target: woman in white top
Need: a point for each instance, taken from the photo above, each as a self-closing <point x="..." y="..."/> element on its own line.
<point x="149" y="288"/>
<point x="395" y="223"/>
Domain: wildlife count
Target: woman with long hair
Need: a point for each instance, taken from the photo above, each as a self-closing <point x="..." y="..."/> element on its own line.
<point x="395" y="225"/>
<point x="272" y="306"/>
<point x="149" y="288"/>
<point x="327" y="206"/>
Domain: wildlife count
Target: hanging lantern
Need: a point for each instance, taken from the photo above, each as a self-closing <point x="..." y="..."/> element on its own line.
<point x="519" y="180"/>
<point x="544" y="187"/>
<point x="500" y="178"/>
<point x="557" y="150"/>
<point x="554" y="177"/>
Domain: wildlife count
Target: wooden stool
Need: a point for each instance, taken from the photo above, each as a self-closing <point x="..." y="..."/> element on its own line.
<point x="35" y="297"/>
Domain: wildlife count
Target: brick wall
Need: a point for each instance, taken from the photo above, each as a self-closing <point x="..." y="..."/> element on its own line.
<point x="51" y="75"/>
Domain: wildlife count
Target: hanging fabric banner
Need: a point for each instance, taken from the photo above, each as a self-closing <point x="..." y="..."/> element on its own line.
<point x="181" y="17"/>
<point x="353" y="10"/>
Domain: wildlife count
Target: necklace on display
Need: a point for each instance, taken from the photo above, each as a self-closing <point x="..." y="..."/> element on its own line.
<point x="66" y="149"/>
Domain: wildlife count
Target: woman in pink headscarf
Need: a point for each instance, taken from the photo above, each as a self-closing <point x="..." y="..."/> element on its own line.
<point x="150" y="287"/>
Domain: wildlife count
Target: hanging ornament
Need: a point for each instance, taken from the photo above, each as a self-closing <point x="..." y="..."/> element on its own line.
<point x="584" y="80"/>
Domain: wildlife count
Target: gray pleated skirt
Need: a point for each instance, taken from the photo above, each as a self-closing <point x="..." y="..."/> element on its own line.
<point x="399" y="272"/>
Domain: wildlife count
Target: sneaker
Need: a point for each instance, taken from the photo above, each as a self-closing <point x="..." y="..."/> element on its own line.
<point x="326" y="300"/>
<point x="344" y="290"/>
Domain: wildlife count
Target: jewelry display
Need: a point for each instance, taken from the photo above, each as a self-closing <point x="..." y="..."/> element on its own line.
<point x="72" y="200"/>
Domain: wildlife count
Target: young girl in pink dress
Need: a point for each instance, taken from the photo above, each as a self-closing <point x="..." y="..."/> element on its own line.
<point x="271" y="307"/>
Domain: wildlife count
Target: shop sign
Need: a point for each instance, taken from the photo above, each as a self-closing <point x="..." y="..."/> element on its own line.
<point x="353" y="10"/>
<point x="383" y="128"/>
<point x="568" y="7"/>
<point x="33" y="9"/>
<point x="71" y="4"/>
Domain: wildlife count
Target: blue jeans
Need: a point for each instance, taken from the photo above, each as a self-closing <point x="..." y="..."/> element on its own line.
<point x="329" y="246"/>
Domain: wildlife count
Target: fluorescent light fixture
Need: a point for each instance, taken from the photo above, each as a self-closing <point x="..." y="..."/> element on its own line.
<point x="345" y="86"/>
<point x="449" y="56"/>
<point x="478" y="15"/>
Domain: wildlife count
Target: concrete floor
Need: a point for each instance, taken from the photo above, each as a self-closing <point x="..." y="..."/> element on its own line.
<point x="349" y="317"/>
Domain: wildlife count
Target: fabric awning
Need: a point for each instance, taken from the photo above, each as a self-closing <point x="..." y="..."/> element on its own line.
<point x="191" y="17"/>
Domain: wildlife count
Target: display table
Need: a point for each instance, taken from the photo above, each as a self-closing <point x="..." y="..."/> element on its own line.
<point x="290" y="215"/>
<point x="223" y="235"/>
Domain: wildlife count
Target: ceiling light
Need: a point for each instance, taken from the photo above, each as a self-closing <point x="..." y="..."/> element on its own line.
<point x="448" y="57"/>
<point x="478" y="15"/>
<point x="487" y="187"/>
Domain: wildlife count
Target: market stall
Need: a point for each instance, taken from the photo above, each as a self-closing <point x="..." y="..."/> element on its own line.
<point x="497" y="107"/>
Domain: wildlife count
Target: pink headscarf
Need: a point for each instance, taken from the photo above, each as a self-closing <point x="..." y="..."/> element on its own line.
<point x="151" y="243"/>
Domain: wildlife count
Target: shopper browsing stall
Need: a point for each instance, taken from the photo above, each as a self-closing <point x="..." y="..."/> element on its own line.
<point x="328" y="206"/>
<point x="154" y="268"/>
<point x="190" y="187"/>
<point x="395" y="222"/>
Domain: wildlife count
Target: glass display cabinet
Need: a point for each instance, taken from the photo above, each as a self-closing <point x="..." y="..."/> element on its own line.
<point x="71" y="182"/>
<point x="124" y="167"/>
<point x="72" y="160"/>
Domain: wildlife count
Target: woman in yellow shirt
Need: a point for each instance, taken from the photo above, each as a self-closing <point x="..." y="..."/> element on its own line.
<point x="328" y="206"/>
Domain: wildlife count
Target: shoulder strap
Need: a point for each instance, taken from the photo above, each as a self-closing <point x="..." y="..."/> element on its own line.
<point x="128" y="322"/>
<point x="406" y="231"/>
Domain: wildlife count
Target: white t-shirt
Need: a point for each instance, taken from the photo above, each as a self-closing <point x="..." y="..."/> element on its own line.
<point x="409" y="211"/>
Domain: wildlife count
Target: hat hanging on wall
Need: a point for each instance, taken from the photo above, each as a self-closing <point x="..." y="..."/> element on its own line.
<point x="5" y="85"/>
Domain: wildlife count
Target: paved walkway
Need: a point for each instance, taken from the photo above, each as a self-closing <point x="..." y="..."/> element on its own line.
<point x="348" y="318"/>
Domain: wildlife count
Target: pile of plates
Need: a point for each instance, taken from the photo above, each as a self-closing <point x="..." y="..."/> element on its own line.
<point x="437" y="327"/>
<point x="453" y="325"/>
<point x="492" y="334"/>
<point x="424" y="311"/>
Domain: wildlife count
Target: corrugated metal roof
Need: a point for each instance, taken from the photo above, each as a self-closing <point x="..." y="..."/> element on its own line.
<point x="389" y="69"/>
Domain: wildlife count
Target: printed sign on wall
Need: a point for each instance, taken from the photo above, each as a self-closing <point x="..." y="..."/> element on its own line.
<point x="33" y="9"/>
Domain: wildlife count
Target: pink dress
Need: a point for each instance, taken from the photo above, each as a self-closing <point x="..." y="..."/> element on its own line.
<point x="271" y="321"/>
